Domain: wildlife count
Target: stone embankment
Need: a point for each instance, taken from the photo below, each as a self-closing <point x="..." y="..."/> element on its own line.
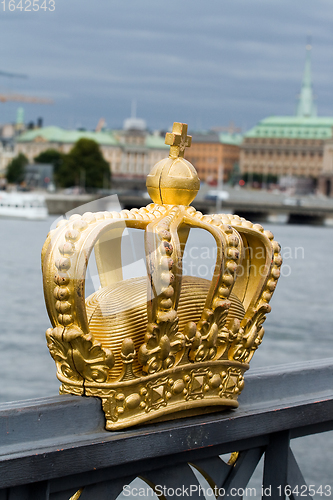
<point x="251" y="204"/>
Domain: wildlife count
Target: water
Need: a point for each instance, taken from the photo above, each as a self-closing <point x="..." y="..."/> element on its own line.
<point x="26" y="368"/>
<point x="299" y="328"/>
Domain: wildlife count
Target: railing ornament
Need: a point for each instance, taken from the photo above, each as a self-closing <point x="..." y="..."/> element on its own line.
<point x="165" y="343"/>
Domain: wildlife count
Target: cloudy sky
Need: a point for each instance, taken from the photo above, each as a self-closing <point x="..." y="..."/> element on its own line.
<point x="206" y="63"/>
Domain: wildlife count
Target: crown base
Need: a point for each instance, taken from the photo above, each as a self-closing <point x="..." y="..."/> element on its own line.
<point x="185" y="390"/>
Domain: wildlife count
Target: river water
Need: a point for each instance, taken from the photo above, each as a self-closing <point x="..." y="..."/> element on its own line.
<point x="299" y="328"/>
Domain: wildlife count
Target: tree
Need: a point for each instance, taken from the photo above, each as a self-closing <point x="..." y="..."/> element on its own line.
<point x="16" y="169"/>
<point x="84" y="165"/>
<point x="53" y="157"/>
<point x="50" y="156"/>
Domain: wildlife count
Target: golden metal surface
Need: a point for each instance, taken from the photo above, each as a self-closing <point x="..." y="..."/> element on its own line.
<point x="233" y="458"/>
<point x="110" y="326"/>
<point x="163" y="344"/>
<point x="174" y="180"/>
<point x="77" y="495"/>
<point x="178" y="140"/>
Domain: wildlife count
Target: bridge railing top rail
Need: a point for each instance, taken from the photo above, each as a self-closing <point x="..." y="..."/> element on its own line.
<point x="51" y="438"/>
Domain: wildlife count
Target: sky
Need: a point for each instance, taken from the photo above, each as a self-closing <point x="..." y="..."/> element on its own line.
<point x="203" y="63"/>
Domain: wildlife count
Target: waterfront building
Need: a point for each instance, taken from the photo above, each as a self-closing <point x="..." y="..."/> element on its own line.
<point x="289" y="145"/>
<point x="33" y="142"/>
<point x="7" y="132"/>
<point x="214" y="154"/>
<point x="139" y="149"/>
<point x="6" y="156"/>
<point x="325" y="181"/>
<point x="130" y="152"/>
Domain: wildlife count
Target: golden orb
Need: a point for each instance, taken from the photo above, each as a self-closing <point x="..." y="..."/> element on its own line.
<point x="173" y="182"/>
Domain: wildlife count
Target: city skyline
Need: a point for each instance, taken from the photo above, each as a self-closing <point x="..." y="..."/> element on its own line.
<point x="204" y="64"/>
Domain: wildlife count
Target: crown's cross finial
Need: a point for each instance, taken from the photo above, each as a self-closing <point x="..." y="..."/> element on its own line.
<point x="178" y="140"/>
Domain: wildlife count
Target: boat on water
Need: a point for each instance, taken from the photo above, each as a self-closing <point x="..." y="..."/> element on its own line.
<point x="20" y="205"/>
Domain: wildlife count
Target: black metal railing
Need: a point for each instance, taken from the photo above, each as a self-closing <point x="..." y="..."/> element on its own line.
<point x="57" y="448"/>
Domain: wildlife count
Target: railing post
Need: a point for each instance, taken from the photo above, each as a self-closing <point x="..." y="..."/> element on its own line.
<point x="35" y="491"/>
<point x="276" y="466"/>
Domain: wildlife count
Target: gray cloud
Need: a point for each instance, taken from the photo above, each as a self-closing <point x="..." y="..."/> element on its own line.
<point x="204" y="62"/>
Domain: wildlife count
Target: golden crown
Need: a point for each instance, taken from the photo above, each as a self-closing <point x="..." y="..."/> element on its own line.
<point x="163" y="343"/>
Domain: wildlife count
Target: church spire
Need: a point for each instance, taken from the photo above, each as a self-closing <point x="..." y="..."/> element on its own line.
<point x="306" y="107"/>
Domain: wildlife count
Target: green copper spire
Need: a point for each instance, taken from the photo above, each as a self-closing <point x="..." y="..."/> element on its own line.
<point x="306" y="107"/>
<point x="20" y="116"/>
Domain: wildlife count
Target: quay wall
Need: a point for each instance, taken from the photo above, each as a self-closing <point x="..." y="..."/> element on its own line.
<point x="253" y="207"/>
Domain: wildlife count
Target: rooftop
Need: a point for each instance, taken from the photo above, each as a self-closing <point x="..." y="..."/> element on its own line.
<point x="57" y="134"/>
<point x="298" y="127"/>
<point x="214" y="137"/>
